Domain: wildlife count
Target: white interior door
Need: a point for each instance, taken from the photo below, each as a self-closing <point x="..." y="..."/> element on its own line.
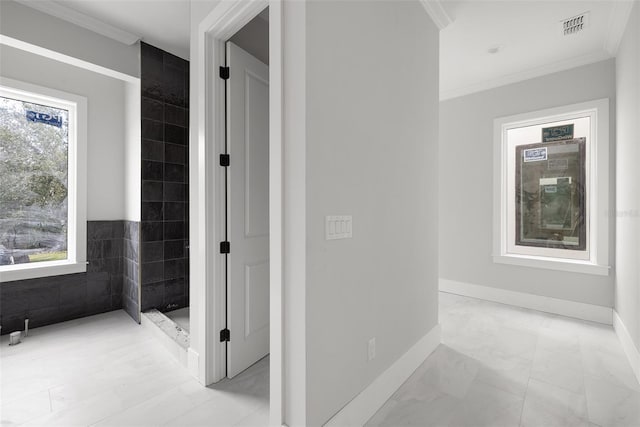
<point x="247" y="210"/>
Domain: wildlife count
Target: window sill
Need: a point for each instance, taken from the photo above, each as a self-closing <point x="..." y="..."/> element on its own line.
<point x="558" y="264"/>
<point x="41" y="269"/>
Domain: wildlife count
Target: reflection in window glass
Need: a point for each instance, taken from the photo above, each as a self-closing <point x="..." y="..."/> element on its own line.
<point x="550" y="194"/>
<point x="34" y="143"/>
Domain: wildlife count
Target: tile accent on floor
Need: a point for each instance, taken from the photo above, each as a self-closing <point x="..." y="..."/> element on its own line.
<point x="500" y="365"/>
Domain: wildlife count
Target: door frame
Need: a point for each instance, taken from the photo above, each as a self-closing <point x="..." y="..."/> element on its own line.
<point x="208" y="135"/>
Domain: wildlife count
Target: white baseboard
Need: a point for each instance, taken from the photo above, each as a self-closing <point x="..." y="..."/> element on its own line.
<point x="366" y="404"/>
<point x="628" y="345"/>
<point x="578" y="310"/>
<point x="193" y="362"/>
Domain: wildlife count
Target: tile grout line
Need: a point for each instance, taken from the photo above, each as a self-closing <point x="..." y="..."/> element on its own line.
<point x="584" y="377"/>
<point x="524" y="400"/>
<point x="563" y="387"/>
<point x="526" y="391"/>
<point x="584" y="382"/>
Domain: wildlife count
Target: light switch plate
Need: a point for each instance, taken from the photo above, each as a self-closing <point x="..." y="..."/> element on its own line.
<point x="339" y="227"/>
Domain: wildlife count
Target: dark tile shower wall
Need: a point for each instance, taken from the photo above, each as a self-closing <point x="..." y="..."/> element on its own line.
<point x="164" y="230"/>
<point x="55" y="299"/>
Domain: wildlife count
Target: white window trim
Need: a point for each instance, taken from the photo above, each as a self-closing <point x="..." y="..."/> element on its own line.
<point x="597" y="181"/>
<point x="77" y="183"/>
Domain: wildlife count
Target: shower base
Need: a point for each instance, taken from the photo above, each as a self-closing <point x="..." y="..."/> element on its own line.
<point x="173" y="333"/>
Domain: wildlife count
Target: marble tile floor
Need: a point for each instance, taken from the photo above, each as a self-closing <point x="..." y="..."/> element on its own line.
<point x="106" y="370"/>
<point x="497" y="366"/>
<point x="503" y="366"/>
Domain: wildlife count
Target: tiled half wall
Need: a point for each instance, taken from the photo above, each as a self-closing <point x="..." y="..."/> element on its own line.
<point x="109" y="284"/>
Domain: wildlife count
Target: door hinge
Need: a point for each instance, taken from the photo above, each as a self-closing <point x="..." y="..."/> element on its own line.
<point x="225" y="335"/>
<point x="224" y="73"/>
<point x="225" y="247"/>
<point x="224" y="160"/>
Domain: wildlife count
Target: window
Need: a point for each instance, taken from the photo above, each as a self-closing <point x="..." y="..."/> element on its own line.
<point x="551" y="183"/>
<point x="550" y="197"/>
<point x="43" y="190"/>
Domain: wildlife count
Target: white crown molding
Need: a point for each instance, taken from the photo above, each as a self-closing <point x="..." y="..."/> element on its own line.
<point x="80" y="19"/>
<point x="617" y="24"/>
<point x="437" y="13"/>
<point x="526" y="75"/>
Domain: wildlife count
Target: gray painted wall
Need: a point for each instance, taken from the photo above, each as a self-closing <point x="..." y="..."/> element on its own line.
<point x="105" y="128"/>
<point x="627" y="301"/>
<point x="372" y="141"/>
<point x="466" y="183"/>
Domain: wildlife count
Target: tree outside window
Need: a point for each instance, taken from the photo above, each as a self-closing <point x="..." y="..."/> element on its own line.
<point x="34" y="147"/>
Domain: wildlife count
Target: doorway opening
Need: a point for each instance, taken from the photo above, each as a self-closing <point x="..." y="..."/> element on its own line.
<point x="207" y="358"/>
<point x="246" y="173"/>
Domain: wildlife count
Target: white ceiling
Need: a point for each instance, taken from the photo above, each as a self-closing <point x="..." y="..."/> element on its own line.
<point x="162" y="23"/>
<point x="527" y="32"/>
<point x="529" y="37"/>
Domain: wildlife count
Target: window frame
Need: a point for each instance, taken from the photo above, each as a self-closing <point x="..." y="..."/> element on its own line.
<point x="596" y="259"/>
<point x="76" y="261"/>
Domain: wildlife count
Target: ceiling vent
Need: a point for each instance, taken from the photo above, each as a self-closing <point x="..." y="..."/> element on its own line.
<point x="575" y="24"/>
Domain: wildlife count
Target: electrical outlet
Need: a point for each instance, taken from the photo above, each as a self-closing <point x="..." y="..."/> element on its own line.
<point x="372" y="349"/>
